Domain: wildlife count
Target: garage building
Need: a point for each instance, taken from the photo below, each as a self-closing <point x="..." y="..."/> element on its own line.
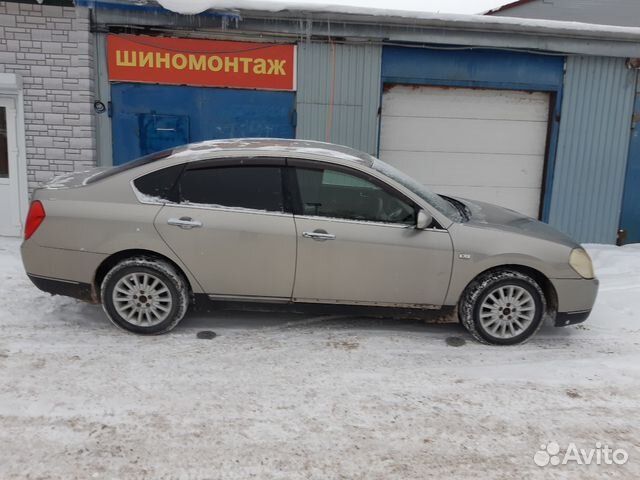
<point x="532" y="115"/>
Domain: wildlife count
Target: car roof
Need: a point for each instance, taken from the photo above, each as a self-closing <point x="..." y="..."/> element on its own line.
<point x="271" y="146"/>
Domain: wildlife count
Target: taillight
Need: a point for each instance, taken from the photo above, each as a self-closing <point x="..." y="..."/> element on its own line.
<point x="35" y="217"/>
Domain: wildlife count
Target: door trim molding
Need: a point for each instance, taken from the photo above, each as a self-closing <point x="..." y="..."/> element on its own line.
<point x="221" y="208"/>
<point x="248" y="298"/>
<point x="419" y="306"/>
<point x="402" y="226"/>
<point x="11" y="86"/>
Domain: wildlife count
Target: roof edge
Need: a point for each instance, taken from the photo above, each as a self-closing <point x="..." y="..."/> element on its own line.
<point x="471" y="23"/>
<point x="369" y="16"/>
<point x="507" y="6"/>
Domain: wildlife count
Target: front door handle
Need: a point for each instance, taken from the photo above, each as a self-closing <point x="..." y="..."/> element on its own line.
<point x="319" y="235"/>
<point x="187" y="223"/>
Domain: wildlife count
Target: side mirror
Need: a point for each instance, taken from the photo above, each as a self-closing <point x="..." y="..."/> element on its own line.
<point x="424" y="220"/>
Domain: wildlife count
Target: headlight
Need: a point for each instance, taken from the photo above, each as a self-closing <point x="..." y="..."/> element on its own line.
<point x="580" y="261"/>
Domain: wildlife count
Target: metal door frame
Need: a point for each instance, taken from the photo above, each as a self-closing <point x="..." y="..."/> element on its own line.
<point x="630" y="211"/>
<point x="11" y="88"/>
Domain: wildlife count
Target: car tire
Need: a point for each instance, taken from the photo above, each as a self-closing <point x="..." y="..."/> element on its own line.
<point x="502" y="307"/>
<point x="145" y="295"/>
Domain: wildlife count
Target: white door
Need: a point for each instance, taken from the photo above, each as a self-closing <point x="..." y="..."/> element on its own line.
<point x="480" y="144"/>
<point x="10" y="219"/>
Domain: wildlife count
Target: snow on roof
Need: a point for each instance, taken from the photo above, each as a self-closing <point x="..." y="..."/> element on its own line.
<point x="363" y="6"/>
<point x="345" y="10"/>
<point x="196" y="151"/>
<point x="347" y="14"/>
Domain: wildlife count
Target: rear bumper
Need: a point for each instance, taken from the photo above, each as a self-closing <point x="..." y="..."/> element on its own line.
<point x="564" y="319"/>
<point x="67" y="288"/>
<point x="60" y="264"/>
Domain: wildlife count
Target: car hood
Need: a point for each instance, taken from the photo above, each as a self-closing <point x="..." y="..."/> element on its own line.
<point x="492" y="216"/>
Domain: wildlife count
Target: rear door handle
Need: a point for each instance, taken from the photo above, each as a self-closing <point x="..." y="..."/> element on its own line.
<point x="321" y="236"/>
<point x="186" y="223"/>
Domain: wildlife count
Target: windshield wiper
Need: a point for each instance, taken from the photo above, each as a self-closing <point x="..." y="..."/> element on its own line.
<point x="461" y="207"/>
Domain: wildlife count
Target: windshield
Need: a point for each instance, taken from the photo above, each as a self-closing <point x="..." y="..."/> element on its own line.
<point x="435" y="200"/>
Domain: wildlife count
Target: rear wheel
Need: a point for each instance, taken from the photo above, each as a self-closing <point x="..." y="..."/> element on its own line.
<point x="503" y="307"/>
<point x="144" y="295"/>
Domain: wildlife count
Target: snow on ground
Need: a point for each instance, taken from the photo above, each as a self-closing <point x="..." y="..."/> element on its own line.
<point x="286" y="396"/>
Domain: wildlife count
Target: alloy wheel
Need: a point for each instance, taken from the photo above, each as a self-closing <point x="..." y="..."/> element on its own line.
<point x="507" y="311"/>
<point x="142" y="299"/>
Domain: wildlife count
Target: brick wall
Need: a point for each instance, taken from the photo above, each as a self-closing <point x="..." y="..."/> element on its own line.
<point x="50" y="48"/>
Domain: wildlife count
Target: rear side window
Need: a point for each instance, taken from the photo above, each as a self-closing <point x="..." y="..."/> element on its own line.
<point x="160" y="184"/>
<point x="245" y="186"/>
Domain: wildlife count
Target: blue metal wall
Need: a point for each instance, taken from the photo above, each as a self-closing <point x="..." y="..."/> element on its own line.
<point x="148" y="118"/>
<point x="339" y="94"/>
<point x="472" y="68"/>
<point x="630" y="217"/>
<point x="592" y="148"/>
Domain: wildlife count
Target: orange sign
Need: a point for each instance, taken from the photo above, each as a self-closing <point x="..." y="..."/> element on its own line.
<point x="212" y="63"/>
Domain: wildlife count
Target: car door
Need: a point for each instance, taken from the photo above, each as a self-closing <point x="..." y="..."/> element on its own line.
<point x="357" y="243"/>
<point x="232" y="229"/>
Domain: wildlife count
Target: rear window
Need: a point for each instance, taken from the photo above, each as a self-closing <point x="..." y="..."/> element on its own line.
<point x="132" y="164"/>
<point x="160" y="184"/>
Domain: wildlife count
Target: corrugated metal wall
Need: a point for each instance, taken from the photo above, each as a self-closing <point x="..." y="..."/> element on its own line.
<point x="592" y="148"/>
<point x="351" y="75"/>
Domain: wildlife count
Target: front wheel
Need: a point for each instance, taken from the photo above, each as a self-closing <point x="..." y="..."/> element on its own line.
<point x="144" y="295"/>
<point x="502" y="307"/>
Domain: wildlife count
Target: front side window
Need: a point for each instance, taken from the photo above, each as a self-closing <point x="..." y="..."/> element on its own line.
<point x="441" y="204"/>
<point x="244" y="186"/>
<point x="333" y="193"/>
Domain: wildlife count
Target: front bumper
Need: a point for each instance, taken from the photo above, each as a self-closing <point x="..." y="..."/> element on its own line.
<point x="575" y="295"/>
<point x="575" y="299"/>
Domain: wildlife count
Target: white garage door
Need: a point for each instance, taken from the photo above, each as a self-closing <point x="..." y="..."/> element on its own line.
<point x="480" y="144"/>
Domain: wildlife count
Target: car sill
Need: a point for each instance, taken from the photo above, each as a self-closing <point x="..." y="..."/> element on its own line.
<point x="418" y="306"/>
<point x="249" y="298"/>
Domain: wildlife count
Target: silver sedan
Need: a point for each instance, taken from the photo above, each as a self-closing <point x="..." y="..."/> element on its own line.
<point x="297" y="222"/>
